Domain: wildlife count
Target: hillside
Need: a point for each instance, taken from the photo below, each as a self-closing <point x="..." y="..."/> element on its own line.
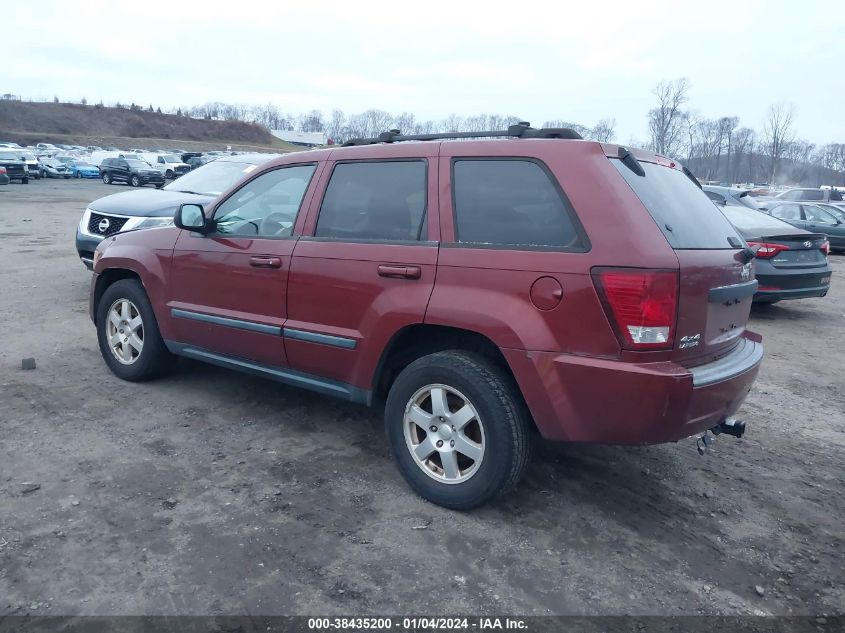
<point x="26" y="123"/>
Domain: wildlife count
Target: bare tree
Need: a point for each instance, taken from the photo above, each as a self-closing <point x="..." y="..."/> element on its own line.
<point x="604" y="130"/>
<point x="334" y="128"/>
<point x="665" y="122"/>
<point x="777" y="134"/>
<point x="405" y="122"/>
<point x="743" y="144"/>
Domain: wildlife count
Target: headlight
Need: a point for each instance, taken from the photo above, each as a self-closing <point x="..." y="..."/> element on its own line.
<point x="146" y="223"/>
<point x="83" y="223"/>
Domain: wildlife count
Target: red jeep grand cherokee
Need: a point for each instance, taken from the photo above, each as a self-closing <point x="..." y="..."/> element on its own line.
<point x="479" y="289"/>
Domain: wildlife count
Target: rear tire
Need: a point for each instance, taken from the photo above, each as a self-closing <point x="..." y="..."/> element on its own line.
<point x="128" y="334"/>
<point x="445" y="459"/>
<point x="106" y="178"/>
<point x="25" y="181"/>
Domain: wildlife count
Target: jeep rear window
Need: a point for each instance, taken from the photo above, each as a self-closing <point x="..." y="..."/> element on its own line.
<point x="685" y="215"/>
<point x="510" y="202"/>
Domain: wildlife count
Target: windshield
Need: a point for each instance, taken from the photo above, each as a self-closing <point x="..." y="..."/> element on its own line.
<point x="138" y="164"/>
<point x="51" y="162"/>
<point x="170" y="158"/>
<point x="8" y="156"/>
<point x="212" y="178"/>
<point x="685" y="215"/>
<point x="82" y="163"/>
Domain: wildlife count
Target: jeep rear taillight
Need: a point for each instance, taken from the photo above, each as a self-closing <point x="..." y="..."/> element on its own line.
<point x="642" y="305"/>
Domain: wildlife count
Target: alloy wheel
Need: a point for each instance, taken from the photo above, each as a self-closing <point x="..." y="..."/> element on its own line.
<point x="444" y="434"/>
<point x="125" y="331"/>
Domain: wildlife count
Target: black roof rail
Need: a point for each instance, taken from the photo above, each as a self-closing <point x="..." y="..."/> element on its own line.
<point x="522" y="129"/>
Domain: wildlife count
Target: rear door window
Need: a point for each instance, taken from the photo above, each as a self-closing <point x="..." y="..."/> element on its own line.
<point x="511" y="202"/>
<point x="687" y="217"/>
<point x="375" y="201"/>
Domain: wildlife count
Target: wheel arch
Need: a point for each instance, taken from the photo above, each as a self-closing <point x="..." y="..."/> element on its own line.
<point x="421" y="339"/>
<point x="105" y="279"/>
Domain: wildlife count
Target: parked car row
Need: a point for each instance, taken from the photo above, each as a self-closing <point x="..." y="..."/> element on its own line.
<point x="85" y="162"/>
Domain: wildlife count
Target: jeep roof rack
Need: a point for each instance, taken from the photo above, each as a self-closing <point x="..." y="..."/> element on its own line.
<point x="522" y="129"/>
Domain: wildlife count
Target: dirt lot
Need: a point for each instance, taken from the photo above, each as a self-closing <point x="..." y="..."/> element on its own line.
<point x="211" y="492"/>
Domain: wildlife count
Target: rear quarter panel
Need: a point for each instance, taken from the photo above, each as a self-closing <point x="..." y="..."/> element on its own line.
<point x="488" y="289"/>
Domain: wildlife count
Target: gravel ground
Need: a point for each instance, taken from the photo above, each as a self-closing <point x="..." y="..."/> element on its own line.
<point x="211" y="492"/>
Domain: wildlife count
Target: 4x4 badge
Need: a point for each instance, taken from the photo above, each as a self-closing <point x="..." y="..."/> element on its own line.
<point x="690" y="341"/>
<point x="104" y="225"/>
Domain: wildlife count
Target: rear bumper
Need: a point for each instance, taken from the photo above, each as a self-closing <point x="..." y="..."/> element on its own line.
<point x="579" y="399"/>
<point x="778" y="284"/>
<point x="768" y="296"/>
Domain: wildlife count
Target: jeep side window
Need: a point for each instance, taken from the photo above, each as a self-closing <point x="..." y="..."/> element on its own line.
<point x="510" y="202"/>
<point x="375" y="201"/>
<point x="266" y="206"/>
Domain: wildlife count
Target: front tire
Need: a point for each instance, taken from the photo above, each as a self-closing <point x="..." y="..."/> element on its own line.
<point x="168" y="174"/>
<point x="25" y="181"/>
<point x="458" y="429"/>
<point x="135" y="181"/>
<point x="128" y="334"/>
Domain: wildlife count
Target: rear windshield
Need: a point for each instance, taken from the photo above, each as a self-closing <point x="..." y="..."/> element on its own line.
<point x="685" y="215"/>
<point x="756" y="223"/>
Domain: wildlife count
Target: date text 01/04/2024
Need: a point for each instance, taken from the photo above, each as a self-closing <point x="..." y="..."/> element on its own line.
<point x="416" y="623"/>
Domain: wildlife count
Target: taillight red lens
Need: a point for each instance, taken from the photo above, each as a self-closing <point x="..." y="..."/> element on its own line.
<point x="768" y="250"/>
<point x="826" y="248"/>
<point x="642" y="304"/>
<point x="2" y="170"/>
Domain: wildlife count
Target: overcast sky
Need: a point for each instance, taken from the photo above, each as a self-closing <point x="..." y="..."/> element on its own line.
<point x="539" y="61"/>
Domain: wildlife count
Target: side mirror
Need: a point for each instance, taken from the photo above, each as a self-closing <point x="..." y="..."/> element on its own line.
<point x="191" y="217"/>
<point x="721" y="203"/>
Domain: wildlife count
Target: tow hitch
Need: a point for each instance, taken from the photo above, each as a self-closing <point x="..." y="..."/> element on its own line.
<point x="729" y="426"/>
